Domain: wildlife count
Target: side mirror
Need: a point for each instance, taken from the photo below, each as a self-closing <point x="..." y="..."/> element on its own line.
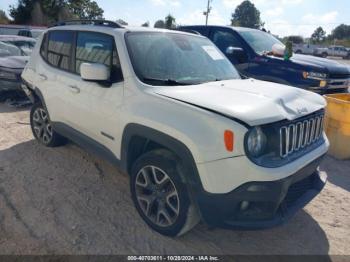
<point x="237" y="53"/>
<point x="94" y="72"/>
<point x="231" y="50"/>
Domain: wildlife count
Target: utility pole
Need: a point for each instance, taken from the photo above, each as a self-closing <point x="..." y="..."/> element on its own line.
<point x="206" y="13"/>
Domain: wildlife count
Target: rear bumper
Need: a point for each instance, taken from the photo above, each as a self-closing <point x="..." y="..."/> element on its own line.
<point x="257" y="205"/>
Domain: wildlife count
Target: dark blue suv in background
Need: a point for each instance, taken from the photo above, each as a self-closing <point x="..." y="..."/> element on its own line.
<point x="250" y="51"/>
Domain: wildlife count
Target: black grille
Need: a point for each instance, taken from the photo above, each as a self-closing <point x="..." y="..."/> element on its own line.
<point x="298" y="189"/>
<point x="339" y="76"/>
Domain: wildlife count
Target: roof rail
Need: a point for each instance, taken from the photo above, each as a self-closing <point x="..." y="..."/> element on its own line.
<point x="98" y="22"/>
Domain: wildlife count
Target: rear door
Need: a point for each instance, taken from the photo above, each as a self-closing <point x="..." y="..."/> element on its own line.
<point x="56" y="53"/>
<point x="94" y="108"/>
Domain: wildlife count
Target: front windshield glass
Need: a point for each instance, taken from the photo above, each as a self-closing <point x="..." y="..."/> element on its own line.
<point x="260" y="41"/>
<point x="26" y="46"/>
<point x="7" y="49"/>
<point x="177" y="59"/>
<point x="36" y="33"/>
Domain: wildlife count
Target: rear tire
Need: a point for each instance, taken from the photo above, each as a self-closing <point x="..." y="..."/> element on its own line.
<point x="324" y="55"/>
<point x="159" y="195"/>
<point x="42" y="128"/>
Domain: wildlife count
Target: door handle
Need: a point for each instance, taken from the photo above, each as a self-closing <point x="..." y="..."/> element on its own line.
<point x="43" y="77"/>
<point x="74" y="89"/>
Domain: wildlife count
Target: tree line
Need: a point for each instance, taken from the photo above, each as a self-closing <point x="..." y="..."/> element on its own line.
<point x="245" y="15"/>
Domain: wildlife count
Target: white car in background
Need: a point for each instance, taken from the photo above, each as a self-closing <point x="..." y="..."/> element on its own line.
<point x="169" y="109"/>
<point x="26" y="44"/>
<point x="12" y="62"/>
<point x="32" y="33"/>
<point x="337" y="51"/>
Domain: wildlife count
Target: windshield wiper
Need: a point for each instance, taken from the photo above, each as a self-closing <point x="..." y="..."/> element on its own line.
<point x="170" y="82"/>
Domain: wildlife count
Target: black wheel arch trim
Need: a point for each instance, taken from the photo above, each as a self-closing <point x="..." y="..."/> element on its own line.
<point x="181" y="150"/>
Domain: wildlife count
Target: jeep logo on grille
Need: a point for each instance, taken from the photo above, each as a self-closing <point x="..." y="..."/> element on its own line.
<point x="302" y="110"/>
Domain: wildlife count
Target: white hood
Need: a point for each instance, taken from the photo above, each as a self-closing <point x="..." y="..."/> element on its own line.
<point x="251" y="101"/>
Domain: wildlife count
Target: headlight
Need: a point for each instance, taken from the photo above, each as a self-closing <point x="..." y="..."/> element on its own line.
<point x="7" y="75"/>
<point x="315" y="75"/>
<point x="256" y="142"/>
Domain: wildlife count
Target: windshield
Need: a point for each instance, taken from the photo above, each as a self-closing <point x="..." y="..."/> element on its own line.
<point x="260" y="41"/>
<point x="36" y="33"/>
<point x="177" y="59"/>
<point x="7" y="49"/>
<point x="26" y="46"/>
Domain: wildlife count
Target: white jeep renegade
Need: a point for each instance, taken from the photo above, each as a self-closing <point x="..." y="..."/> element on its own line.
<point x="168" y="108"/>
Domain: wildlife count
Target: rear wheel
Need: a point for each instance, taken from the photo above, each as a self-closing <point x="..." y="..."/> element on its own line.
<point x="159" y="195"/>
<point x="324" y="55"/>
<point x="42" y="128"/>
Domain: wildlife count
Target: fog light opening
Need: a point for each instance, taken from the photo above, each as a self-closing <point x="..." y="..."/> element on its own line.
<point x="244" y="205"/>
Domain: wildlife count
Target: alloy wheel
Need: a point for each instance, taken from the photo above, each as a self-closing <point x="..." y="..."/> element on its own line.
<point x="157" y="196"/>
<point x="42" y="126"/>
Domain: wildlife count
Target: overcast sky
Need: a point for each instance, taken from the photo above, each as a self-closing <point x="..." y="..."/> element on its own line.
<point x="281" y="17"/>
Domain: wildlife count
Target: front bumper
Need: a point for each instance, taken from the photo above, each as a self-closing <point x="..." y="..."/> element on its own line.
<point x="333" y="86"/>
<point x="10" y="85"/>
<point x="256" y="205"/>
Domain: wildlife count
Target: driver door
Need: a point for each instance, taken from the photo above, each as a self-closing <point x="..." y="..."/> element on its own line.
<point x="225" y="39"/>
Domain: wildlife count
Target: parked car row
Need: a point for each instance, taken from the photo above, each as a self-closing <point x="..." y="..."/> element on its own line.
<point x="305" y="49"/>
<point x="336" y="51"/>
<point x="14" y="54"/>
<point x="171" y="110"/>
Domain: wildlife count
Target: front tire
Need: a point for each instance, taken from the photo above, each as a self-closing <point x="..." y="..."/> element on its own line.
<point x="42" y="128"/>
<point x="159" y="195"/>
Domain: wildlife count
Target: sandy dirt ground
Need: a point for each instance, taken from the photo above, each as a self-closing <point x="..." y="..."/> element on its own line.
<point x="66" y="201"/>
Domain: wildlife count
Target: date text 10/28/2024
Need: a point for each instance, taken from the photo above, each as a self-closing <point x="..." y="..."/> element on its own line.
<point x="173" y="258"/>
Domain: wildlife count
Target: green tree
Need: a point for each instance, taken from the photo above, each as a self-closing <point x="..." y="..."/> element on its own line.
<point x="85" y="9"/>
<point x="82" y="9"/>
<point x="3" y="17"/>
<point x="145" y="24"/>
<point x="319" y="35"/>
<point x="247" y="15"/>
<point x="122" y="22"/>
<point x="341" y="32"/>
<point x="159" y="24"/>
<point x="21" y="13"/>
<point x="170" y="22"/>
<point x="295" y="39"/>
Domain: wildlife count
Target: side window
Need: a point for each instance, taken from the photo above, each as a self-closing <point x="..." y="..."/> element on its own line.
<point x="202" y="30"/>
<point x="43" y="48"/>
<point x="59" y="49"/>
<point x="224" y="39"/>
<point x="98" y="48"/>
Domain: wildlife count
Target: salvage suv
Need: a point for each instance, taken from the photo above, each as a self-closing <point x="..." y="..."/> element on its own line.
<point x="169" y="109"/>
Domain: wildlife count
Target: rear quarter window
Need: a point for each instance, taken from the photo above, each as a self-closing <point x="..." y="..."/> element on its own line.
<point x="43" y="48"/>
<point x="59" y="49"/>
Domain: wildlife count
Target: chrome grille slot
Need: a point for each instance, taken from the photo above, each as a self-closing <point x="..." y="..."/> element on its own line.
<point x="300" y="135"/>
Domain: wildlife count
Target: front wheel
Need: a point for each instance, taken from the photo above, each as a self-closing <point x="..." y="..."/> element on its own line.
<point x="42" y="128"/>
<point x="159" y="195"/>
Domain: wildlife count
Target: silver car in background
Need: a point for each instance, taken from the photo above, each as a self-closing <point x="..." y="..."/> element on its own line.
<point x="13" y="58"/>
